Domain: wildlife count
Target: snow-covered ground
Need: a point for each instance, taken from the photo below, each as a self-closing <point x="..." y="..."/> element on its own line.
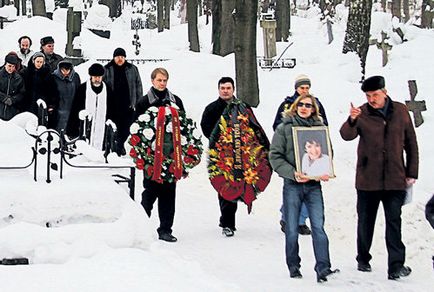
<point x="83" y="233"/>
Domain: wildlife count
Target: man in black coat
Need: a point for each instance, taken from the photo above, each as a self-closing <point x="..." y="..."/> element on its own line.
<point x="158" y="95"/>
<point x="124" y="80"/>
<point x="96" y="98"/>
<point x="210" y="119"/>
<point x="47" y="48"/>
<point x="12" y="88"/>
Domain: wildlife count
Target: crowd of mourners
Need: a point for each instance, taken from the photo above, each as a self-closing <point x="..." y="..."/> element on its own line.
<point x="32" y="80"/>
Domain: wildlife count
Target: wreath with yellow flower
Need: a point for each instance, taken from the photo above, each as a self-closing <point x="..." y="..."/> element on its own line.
<point x="238" y="164"/>
<point x="166" y="144"/>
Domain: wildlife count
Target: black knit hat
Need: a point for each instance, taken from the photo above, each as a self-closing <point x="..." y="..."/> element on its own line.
<point x="11" y="59"/>
<point x="65" y="65"/>
<point x="47" y="40"/>
<point x="119" y="52"/>
<point x="96" y="70"/>
<point x="373" y="83"/>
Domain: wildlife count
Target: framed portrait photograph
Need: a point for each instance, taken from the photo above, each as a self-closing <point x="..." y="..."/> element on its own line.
<point x="313" y="154"/>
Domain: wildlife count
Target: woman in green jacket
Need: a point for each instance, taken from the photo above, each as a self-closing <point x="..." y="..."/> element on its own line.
<point x="298" y="188"/>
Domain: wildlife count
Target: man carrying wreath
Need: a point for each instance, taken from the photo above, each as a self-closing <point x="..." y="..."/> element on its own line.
<point x="237" y="162"/>
<point x="159" y="96"/>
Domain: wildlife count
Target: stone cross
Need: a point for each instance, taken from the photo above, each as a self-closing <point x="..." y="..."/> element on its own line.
<point x="384" y="47"/>
<point x="417" y="107"/>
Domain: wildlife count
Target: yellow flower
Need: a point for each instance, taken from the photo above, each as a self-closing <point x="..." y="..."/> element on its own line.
<point x="250" y="176"/>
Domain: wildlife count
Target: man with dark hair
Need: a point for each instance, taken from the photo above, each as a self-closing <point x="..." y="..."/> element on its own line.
<point x="25" y="53"/>
<point x="158" y="95"/>
<point x="123" y="78"/>
<point x="385" y="132"/>
<point x="210" y="119"/>
<point x="94" y="97"/>
<point x="51" y="58"/>
<point x="12" y="88"/>
<point x="302" y="86"/>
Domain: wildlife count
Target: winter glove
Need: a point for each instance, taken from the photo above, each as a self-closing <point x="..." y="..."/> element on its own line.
<point x="8" y="101"/>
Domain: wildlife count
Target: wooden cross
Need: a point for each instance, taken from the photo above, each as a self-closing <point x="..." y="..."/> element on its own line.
<point x="384" y="47"/>
<point x="417" y="107"/>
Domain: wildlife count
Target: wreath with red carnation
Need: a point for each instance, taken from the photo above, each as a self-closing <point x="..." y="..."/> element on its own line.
<point x="238" y="163"/>
<point x="166" y="144"/>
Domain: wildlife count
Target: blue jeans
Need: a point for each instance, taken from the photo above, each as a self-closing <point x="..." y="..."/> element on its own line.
<point x="304" y="214"/>
<point x="294" y="194"/>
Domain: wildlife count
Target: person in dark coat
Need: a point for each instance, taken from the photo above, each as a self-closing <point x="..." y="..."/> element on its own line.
<point x="37" y="78"/>
<point x="47" y="48"/>
<point x="429" y="211"/>
<point x="385" y="132"/>
<point x="123" y="78"/>
<point x="65" y="84"/>
<point x="158" y="95"/>
<point x="210" y="119"/>
<point x="302" y="86"/>
<point x="96" y="98"/>
<point x="12" y="88"/>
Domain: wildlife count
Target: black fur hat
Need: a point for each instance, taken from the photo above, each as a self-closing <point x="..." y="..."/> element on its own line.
<point x="47" y="40"/>
<point x="96" y="70"/>
<point x="119" y="52"/>
<point x="373" y="83"/>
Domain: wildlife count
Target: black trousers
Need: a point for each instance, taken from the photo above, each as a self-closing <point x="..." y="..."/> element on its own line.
<point x="367" y="207"/>
<point x="228" y="210"/>
<point x="166" y="193"/>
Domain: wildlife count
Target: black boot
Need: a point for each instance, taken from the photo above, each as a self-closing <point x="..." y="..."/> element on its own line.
<point x="322" y="277"/>
<point x="404" y="271"/>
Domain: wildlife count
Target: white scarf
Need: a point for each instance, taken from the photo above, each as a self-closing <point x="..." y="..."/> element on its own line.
<point x="96" y="106"/>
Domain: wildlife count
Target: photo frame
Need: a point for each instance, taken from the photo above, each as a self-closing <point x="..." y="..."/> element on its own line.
<point x="312" y="149"/>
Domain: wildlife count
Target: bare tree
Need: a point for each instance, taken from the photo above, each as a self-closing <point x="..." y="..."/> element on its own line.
<point x="427" y="13"/>
<point x="222" y="27"/>
<point x="357" y="33"/>
<point x="39" y="8"/>
<point x="193" y="35"/>
<point x="245" y="51"/>
<point x="283" y="20"/>
<point x="167" y="14"/>
<point x="160" y="15"/>
<point x="396" y="9"/>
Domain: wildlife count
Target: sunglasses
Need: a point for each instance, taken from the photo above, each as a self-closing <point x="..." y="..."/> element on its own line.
<point x="306" y="105"/>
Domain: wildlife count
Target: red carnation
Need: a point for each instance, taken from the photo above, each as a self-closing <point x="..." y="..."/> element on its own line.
<point x="192" y="151"/>
<point x="133" y="153"/>
<point x="140" y="163"/>
<point x="134" y="140"/>
<point x="188" y="160"/>
<point x="149" y="170"/>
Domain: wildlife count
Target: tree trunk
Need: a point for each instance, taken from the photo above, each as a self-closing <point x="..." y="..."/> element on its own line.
<point x="406" y="9"/>
<point x="283" y="20"/>
<point x="384" y="5"/>
<point x="193" y="35"/>
<point x="427" y="14"/>
<point x="245" y="51"/>
<point x="167" y="14"/>
<point x="396" y="9"/>
<point x="39" y="8"/>
<point x="357" y="33"/>
<point x="160" y="15"/>
<point x="114" y="6"/>
<point x="223" y="27"/>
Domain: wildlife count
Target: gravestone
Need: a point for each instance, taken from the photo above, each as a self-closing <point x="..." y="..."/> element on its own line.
<point x="417" y="107"/>
<point x="384" y="46"/>
<point x="73" y="28"/>
<point x="269" y="37"/>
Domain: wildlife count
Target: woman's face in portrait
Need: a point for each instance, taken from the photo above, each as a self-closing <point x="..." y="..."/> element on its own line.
<point x="313" y="150"/>
<point x="305" y="108"/>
